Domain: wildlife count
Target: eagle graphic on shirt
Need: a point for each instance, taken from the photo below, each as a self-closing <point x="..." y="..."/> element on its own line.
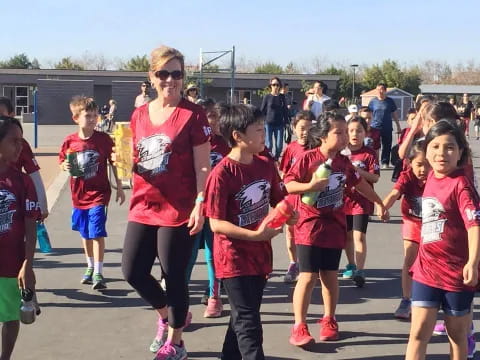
<point x="253" y="201"/>
<point x="88" y="163"/>
<point x="415" y="206"/>
<point x="154" y="153"/>
<point x="6" y="214"/>
<point x="215" y="158"/>
<point x="432" y="223"/>
<point x="333" y="193"/>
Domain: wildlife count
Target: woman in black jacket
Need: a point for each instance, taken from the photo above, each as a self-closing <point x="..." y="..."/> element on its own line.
<point x="274" y="107"/>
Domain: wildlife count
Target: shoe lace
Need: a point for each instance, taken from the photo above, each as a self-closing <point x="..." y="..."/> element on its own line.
<point x="167" y="349"/>
<point x="328" y="323"/>
<point x="303" y="330"/>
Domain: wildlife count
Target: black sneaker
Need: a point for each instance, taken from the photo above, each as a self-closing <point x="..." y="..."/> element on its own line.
<point x="98" y="282"/>
<point x="359" y="278"/>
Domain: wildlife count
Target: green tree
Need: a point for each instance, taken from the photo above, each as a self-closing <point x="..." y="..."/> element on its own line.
<point x="19" y="61"/>
<point x="269" y="68"/>
<point x="372" y="76"/>
<point x="137" y="63"/>
<point x="291" y="68"/>
<point x="35" y="64"/>
<point x="67" y="63"/>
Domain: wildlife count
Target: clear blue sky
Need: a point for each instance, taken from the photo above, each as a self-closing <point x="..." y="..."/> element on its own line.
<point x="337" y="31"/>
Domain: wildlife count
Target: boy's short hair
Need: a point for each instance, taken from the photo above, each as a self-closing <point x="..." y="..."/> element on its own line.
<point x="82" y="102"/>
<point x="5" y="102"/>
<point x="236" y="117"/>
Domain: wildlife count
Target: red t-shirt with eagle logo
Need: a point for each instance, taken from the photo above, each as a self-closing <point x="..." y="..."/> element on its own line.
<point x="164" y="180"/>
<point x="450" y="206"/>
<point x="324" y="223"/>
<point x="242" y="194"/>
<point x="92" y="188"/>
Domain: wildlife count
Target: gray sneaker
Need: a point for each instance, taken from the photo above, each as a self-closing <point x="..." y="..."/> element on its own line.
<point x="171" y="351"/>
<point x="404" y="309"/>
<point x="98" y="282"/>
<point x="161" y="337"/>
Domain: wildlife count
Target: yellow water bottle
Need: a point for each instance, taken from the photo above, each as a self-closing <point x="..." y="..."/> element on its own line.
<point x="323" y="172"/>
<point x="123" y="151"/>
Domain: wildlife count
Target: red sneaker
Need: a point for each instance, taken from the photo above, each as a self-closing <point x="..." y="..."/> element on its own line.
<point x="329" y="330"/>
<point x="300" y="335"/>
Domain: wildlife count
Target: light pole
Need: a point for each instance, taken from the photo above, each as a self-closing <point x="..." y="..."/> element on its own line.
<point x="353" y="66"/>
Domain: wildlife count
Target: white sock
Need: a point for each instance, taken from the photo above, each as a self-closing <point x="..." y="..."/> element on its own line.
<point x="90" y="262"/>
<point x="98" y="268"/>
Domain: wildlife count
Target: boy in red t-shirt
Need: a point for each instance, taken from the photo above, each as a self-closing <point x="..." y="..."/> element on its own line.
<point x="18" y="212"/>
<point x="239" y="191"/>
<point x="91" y="151"/>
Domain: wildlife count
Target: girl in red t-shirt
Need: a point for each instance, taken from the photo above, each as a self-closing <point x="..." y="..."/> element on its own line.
<point x="301" y="124"/>
<point x="18" y="211"/>
<point x="445" y="272"/>
<point x="357" y="208"/>
<point x="320" y="232"/>
<point x="410" y="184"/>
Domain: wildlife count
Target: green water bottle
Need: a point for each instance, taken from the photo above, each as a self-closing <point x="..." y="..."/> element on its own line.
<point x="71" y="157"/>
<point x="322" y="172"/>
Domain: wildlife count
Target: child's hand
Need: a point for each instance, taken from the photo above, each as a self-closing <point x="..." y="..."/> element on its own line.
<point x="318" y="184"/>
<point x="383" y="213"/>
<point x="265" y="233"/>
<point x="66" y="166"/>
<point x="120" y="195"/>
<point x="293" y="220"/>
<point x="26" y="277"/>
<point x="470" y="275"/>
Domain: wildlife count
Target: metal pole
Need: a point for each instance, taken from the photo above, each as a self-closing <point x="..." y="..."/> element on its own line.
<point x="35" y="118"/>
<point x="353" y="85"/>
<point x="201" y="74"/>
<point x="232" y="80"/>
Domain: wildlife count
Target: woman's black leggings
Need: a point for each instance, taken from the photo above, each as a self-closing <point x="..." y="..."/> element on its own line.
<point x="173" y="247"/>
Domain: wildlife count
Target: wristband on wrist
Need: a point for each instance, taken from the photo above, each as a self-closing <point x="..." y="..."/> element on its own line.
<point x="199" y="199"/>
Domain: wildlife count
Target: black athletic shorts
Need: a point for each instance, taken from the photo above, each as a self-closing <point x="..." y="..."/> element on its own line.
<point x="312" y="259"/>
<point x="357" y="222"/>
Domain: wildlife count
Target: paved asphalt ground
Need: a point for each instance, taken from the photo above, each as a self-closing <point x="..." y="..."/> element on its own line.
<point x="80" y="323"/>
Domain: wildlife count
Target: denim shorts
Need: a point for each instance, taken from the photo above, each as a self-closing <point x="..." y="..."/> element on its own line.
<point x="452" y="303"/>
<point x="90" y="223"/>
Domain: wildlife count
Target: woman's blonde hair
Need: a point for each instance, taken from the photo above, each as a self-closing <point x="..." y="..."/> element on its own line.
<point x="163" y="54"/>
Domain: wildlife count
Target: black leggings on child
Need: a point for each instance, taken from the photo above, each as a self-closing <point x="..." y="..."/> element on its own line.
<point x="173" y="247"/>
<point x="244" y="337"/>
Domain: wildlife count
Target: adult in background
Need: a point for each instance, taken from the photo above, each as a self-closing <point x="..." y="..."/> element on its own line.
<point x="274" y="107"/>
<point x="171" y="164"/>
<point x="383" y="115"/>
<point x="144" y="97"/>
<point x="112" y="114"/>
<point x="314" y="101"/>
<point x="191" y="93"/>
<point x="466" y="111"/>
<point x="291" y="113"/>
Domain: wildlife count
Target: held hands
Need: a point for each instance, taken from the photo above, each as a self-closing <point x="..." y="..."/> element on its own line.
<point x="196" y="221"/>
<point x="383" y="213"/>
<point x="470" y="274"/>
<point x="26" y="277"/>
<point x="265" y="233"/>
<point x="293" y="220"/>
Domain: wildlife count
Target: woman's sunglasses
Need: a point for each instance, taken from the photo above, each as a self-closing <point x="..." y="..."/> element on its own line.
<point x="164" y="74"/>
<point x="275" y="84"/>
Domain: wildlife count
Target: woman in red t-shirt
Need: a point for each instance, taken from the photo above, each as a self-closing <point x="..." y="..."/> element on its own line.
<point x="171" y="164"/>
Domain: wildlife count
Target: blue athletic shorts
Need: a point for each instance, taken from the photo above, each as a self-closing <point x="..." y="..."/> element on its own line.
<point x="452" y="303"/>
<point x="90" y="223"/>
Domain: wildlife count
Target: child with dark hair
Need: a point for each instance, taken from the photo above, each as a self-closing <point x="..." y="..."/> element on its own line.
<point x="357" y="208"/>
<point x="301" y="125"/>
<point x="321" y="231"/>
<point x="218" y="150"/>
<point x="239" y="191"/>
<point x="410" y="184"/>
<point x="18" y="236"/>
<point x="445" y="273"/>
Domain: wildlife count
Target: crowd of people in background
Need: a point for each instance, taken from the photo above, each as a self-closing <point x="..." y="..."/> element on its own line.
<point x="207" y="174"/>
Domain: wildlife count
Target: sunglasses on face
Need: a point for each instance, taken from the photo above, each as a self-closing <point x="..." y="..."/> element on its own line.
<point x="275" y="84"/>
<point x="164" y="74"/>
